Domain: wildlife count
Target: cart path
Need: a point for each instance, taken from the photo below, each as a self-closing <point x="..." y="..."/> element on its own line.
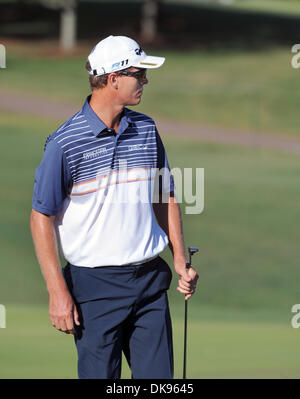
<point x="39" y="106"/>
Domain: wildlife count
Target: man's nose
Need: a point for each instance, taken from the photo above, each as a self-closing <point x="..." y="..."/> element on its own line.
<point x="144" y="81"/>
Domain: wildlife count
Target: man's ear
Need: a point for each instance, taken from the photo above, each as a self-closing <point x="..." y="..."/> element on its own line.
<point x="112" y="80"/>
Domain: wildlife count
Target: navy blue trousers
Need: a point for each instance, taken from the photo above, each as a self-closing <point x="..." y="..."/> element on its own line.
<point x="123" y="308"/>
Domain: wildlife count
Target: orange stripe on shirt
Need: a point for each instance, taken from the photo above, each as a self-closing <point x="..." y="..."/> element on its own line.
<point x="118" y="182"/>
<point x="102" y="177"/>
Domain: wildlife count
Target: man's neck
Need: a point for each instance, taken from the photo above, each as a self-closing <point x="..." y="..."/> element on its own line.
<point x="106" y="110"/>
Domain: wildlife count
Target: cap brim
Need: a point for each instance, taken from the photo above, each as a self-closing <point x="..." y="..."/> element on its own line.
<point x="150" y="62"/>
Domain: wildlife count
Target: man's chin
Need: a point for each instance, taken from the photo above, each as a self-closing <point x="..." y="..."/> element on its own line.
<point x="135" y="102"/>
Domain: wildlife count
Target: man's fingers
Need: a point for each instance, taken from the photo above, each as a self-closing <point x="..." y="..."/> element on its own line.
<point x="63" y="323"/>
<point x="63" y="313"/>
<point x="189" y="275"/>
<point x="187" y="283"/>
<point x="185" y="276"/>
<point x="69" y="323"/>
<point x="185" y="291"/>
<point x="192" y="274"/>
<point x="76" y="316"/>
<point x="184" y="284"/>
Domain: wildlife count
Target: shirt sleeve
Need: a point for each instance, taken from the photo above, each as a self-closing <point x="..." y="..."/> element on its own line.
<point x="52" y="180"/>
<point x="166" y="181"/>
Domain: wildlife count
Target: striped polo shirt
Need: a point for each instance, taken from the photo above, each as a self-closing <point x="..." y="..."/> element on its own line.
<point x="100" y="186"/>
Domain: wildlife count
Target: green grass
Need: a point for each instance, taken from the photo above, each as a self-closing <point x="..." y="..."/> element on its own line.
<point x="242" y="90"/>
<point x="285" y="7"/>
<point x="22" y="149"/>
<point x="247" y="234"/>
<point x="239" y="318"/>
<point x="229" y="346"/>
<point x="288" y="7"/>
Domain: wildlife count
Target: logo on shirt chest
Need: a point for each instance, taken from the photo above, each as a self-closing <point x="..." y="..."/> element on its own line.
<point x="137" y="147"/>
<point x="94" y="154"/>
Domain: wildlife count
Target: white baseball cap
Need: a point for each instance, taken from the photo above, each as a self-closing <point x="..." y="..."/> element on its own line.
<point x="115" y="53"/>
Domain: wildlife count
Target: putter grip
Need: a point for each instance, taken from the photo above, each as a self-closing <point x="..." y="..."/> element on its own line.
<point x="188" y="265"/>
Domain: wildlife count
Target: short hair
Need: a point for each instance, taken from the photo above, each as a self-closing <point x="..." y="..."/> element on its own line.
<point x="98" y="82"/>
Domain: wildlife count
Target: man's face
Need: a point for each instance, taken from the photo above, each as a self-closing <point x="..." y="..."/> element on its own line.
<point x="130" y="88"/>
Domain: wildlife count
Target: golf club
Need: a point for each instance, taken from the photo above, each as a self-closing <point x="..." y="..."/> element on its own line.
<point x="192" y="251"/>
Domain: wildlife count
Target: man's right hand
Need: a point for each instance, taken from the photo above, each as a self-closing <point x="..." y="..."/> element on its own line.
<point x="63" y="312"/>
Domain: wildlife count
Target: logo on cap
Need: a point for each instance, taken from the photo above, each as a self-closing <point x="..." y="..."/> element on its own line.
<point x="116" y="65"/>
<point x="138" y="51"/>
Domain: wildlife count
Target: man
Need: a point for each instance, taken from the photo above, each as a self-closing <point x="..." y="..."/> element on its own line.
<point x="94" y="195"/>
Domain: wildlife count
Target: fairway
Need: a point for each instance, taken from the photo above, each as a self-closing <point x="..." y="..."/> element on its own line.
<point x="282" y="7"/>
<point x="240" y="316"/>
<point x="31" y="348"/>
<point x="252" y="91"/>
<point x="247" y="236"/>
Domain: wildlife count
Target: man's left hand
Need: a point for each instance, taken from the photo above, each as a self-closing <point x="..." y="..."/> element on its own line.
<point x="188" y="281"/>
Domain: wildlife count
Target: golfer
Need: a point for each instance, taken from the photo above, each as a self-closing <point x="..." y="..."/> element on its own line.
<point x="104" y="195"/>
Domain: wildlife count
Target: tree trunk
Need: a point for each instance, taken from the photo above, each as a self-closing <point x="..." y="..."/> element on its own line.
<point x="149" y="21"/>
<point x="68" y="26"/>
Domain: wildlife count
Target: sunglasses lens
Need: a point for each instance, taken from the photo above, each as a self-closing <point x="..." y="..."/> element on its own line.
<point x="140" y="75"/>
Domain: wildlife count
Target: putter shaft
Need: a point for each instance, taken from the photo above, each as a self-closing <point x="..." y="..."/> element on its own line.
<point x="185" y="334"/>
<point x="192" y="251"/>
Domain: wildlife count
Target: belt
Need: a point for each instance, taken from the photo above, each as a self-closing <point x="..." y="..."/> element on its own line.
<point x="144" y="261"/>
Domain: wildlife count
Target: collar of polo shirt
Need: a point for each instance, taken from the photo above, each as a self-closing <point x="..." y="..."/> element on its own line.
<point x="96" y="123"/>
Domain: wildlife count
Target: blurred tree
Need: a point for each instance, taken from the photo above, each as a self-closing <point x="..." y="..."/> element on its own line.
<point x="149" y="20"/>
<point x="68" y="18"/>
<point x="68" y="21"/>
